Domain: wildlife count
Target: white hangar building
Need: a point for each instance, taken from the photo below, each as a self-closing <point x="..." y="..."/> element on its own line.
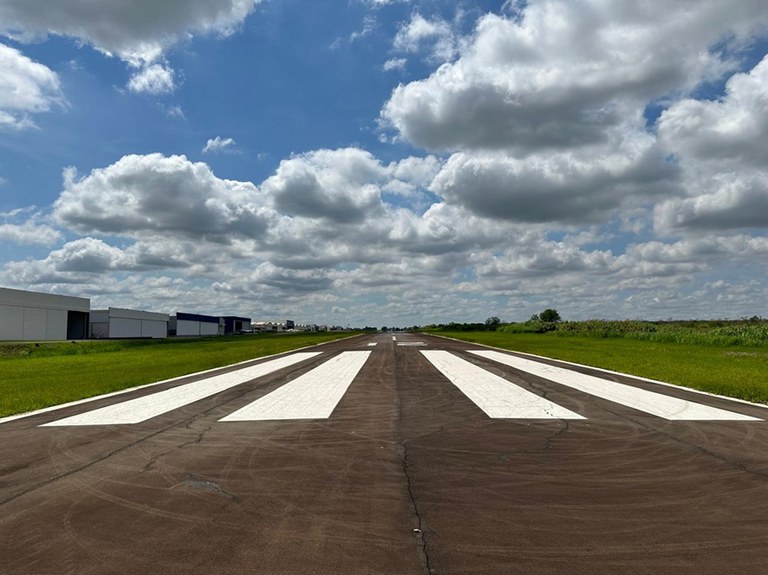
<point x="30" y="316"/>
<point x="196" y="325"/>
<point x="116" y="322"/>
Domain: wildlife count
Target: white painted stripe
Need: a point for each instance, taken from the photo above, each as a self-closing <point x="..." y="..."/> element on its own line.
<point x="372" y="344"/>
<point x="394" y="338"/>
<point x="641" y="378"/>
<point x="314" y="395"/>
<point x="641" y="399"/>
<point x="611" y="372"/>
<point x="50" y="408"/>
<point x="497" y="397"/>
<point x="410" y="343"/>
<point x="149" y="406"/>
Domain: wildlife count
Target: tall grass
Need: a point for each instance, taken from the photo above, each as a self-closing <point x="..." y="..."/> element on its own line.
<point x="719" y="333"/>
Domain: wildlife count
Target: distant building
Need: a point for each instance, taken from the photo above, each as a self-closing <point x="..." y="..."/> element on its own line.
<point x="234" y="324"/>
<point x="26" y="315"/>
<point x="290" y="324"/>
<point x="127" y="323"/>
<point x="195" y="325"/>
<point x="267" y="326"/>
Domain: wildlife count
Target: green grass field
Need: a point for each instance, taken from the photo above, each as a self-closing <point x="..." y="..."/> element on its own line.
<point x="33" y="376"/>
<point x="733" y="370"/>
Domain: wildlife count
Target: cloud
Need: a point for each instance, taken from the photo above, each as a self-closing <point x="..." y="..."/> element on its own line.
<point x="158" y="194"/>
<point x="419" y="33"/>
<point x="730" y="129"/>
<point x="394" y="64"/>
<point x="720" y="145"/>
<point x="319" y="209"/>
<point x="75" y="262"/>
<point x="153" y="79"/>
<point x="566" y="73"/>
<point x="726" y="201"/>
<point x="218" y="144"/>
<point x="381" y="3"/>
<point x="341" y="186"/>
<point x="27" y="226"/>
<point x="174" y="112"/>
<point x="576" y="187"/>
<point x="29" y="234"/>
<point x="26" y="87"/>
<point x="138" y="31"/>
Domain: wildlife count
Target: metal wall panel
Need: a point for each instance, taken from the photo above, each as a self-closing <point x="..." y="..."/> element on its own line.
<point x="154" y="329"/>
<point x="123" y="327"/>
<point x="11" y="322"/>
<point x="187" y="328"/>
<point x="209" y="328"/>
<point x="56" y="324"/>
<point x="35" y="320"/>
<point x="99" y="329"/>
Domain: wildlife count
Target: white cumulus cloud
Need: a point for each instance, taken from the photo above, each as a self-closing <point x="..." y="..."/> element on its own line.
<point x="720" y="145"/>
<point x="137" y="31"/>
<point x="566" y="72"/>
<point x="153" y="79"/>
<point x="26" y="87"/>
<point x="218" y="144"/>
<point x="159" y="194"/>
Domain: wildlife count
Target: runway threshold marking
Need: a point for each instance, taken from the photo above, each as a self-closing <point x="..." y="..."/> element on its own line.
<point x="152" y="405"/>
<point x="657" y="404"/>
<point x="313" y="395"/>
<point x="497" y="397"/>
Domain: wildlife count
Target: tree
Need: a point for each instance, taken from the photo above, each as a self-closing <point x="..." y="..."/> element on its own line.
<point x="550" y="316"/>
<point x="492" y="323"/>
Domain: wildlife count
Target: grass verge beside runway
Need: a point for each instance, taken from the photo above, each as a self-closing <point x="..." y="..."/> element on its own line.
<point x="33" y="376"/>
<point x="734" y="371"/>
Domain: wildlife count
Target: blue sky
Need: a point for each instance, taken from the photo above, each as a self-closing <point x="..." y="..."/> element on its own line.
<point x="374" y="162"/>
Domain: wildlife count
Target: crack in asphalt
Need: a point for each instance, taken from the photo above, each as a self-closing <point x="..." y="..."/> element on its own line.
<point x="196" y="441"/>
<point x="196" y="482"/>
<point x="420" y="531"/>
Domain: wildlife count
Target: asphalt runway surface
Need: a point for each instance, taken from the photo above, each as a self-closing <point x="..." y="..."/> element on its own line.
<point x="415" y="455"/>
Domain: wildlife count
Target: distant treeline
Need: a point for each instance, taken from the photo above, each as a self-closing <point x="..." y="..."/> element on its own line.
<point x="751" y="332"/>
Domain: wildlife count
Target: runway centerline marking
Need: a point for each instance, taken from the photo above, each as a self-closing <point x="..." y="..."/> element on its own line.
<point x="152" y="405"/>
<point x="497" y="397"/>
<point x="313" y="395"/>
<point x="657" y="404"/>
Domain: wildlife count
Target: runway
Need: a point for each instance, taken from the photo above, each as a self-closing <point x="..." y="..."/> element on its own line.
<point x="401" y="453"/>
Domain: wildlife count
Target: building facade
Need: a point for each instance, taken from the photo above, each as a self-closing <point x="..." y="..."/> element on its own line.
<point x="235" y="324"/>
<point x="30" y="316"/>
<point x="127" y="323"/>
<point x="196" y="325"/>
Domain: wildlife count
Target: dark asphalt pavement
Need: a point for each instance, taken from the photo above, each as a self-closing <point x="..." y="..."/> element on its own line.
<point x="407" y="476"/>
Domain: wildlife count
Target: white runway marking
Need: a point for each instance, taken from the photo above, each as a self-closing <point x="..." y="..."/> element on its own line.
<point x="643" y="400"/>
<point x="372" y="344"/>
<point x="497" y="397"/>
<point x="410" y="343"/>
<point x="314" y="395"/>
<point x="394" y="338"/>
<point x="149" y="406"/>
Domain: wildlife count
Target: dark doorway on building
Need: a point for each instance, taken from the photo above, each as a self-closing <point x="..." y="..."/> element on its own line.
<point x="77" y="324"/>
